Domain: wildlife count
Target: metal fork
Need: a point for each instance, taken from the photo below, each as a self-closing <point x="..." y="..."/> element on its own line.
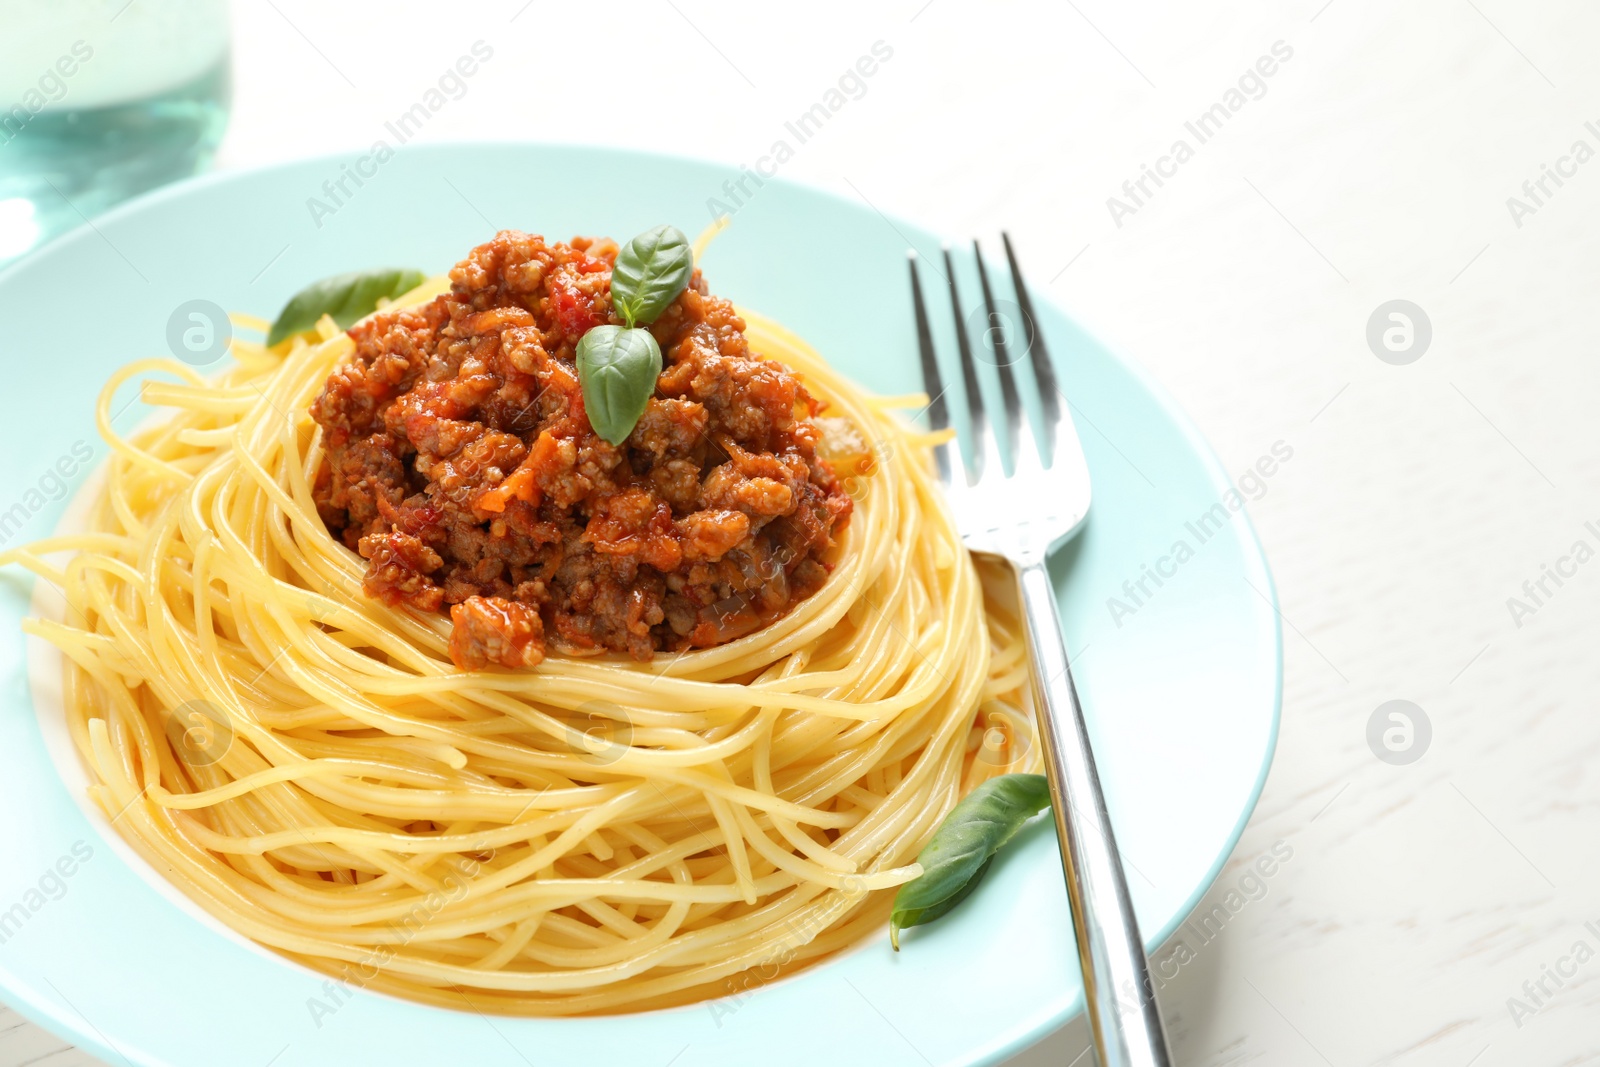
<point x="1021" y="517"/>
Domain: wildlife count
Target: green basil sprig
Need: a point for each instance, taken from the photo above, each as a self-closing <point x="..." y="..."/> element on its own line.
<point x="957" y="857"/>
<point x="347" y="297"/>
<point x="651" y="270"/>
<point x="617" y="368"/>
<point x="618" y="365"/>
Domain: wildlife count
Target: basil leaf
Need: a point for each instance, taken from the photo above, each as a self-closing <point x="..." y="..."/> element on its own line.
<point x="651" y="270"/>
<point x="617" y="368"/>
<point x="956" y="858"/>
<point x="347" y="297"/>
<point x="919" y="916"/>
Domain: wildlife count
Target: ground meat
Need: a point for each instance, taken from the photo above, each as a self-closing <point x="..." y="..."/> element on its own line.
<point x="461" y="465"/>
<point x="487" y="630"/>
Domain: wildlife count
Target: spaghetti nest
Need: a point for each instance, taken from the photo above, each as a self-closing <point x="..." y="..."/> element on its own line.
<point x="599" y="835"/>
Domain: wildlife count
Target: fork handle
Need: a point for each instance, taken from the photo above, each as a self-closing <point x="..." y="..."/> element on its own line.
<point x="1118" y="992"/>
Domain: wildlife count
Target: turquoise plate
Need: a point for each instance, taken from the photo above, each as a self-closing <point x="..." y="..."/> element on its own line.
<point x="1182" y="692"/>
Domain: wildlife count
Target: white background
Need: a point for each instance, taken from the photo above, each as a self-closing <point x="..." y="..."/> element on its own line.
<point x="1377" y="166"/>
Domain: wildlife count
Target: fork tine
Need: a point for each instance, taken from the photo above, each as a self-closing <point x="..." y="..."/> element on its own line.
<point x="983" y="449"/>
<point x="932" y="381"/>
<point x="1044" y="372"/>
<point x="1002" y="358"/>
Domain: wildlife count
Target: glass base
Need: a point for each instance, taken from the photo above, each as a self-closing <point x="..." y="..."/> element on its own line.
<point x="62" y="167"/>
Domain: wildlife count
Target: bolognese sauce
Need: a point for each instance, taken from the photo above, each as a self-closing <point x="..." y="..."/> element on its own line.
<point x="461" y="466"/>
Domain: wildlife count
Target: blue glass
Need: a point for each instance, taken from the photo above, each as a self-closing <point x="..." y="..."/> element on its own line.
<point x="101" y="100"/>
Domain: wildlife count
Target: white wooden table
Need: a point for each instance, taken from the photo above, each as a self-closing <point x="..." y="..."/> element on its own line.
<point x="1374" y="164"/>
